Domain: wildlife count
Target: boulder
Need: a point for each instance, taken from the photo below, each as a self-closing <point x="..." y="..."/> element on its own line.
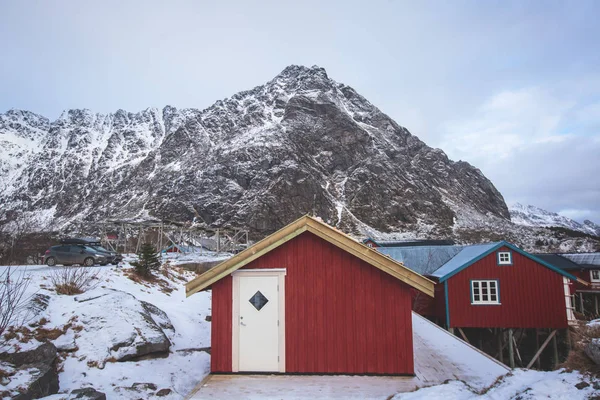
<point x="43" y="354"/>
<point x="30" y="374"/>
<point x="592" y="350"/>
<point x="87" y="394"/>
<point x="119" y="327"/>
<point x="163" y="392"/>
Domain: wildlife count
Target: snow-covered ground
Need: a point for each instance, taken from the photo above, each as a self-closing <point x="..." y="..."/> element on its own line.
<point x="181" y="371"/>
<point x="111" y="307"/>
<point x="520" y="384"/>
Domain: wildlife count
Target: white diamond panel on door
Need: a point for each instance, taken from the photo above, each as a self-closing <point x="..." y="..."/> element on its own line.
<point x="258" y="324"/>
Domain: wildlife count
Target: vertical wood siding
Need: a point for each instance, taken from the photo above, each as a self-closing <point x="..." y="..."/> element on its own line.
<point x="531" y="295"/>
<point x="343" y="316"/>
<point x="220" y="328"/>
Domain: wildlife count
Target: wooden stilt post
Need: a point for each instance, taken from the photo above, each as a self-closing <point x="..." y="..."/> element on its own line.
<point x="451" y="330"/>
<point x="535" y="357"/>
<point x="463" y="335"/>
<point x="500" y="347"/>
<point x="511" y="354"/>
<point x="596" y="303"/>
<point x="568" y="333"/>
<point x="124" y="238"/>
<point x="517" y="348"/>
<point x="537" y="348"/>
<point x="581" y="303"/>
<point x="555" y="350"/>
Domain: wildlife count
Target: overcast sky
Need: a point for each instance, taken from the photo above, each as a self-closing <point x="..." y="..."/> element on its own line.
<point x="511" y="87"/>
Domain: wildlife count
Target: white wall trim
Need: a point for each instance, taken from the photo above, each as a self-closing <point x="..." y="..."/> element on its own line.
<point x="235" y="325"/>
<point x="281" y="288"/>
<point x="259" y="272"/>
<point x="235" y="320"/>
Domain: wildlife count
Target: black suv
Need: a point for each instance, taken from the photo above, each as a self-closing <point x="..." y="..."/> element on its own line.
<point x="81" y="251"/>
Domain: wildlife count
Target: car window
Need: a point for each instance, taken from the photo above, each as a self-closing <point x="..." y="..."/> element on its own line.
<point x="99" y="248"/>
<point x="62" y="248"/>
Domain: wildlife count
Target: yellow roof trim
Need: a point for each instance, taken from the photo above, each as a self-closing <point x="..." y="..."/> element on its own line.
<point x="325" y="232"/>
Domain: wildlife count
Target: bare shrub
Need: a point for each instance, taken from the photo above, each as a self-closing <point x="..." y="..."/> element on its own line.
<point x="14" y="300"/>
<point x="577" y="359"/>
<point x="74" y="280"/>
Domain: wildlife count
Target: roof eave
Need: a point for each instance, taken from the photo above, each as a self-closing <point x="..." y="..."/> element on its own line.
<point x="339" y="239"/>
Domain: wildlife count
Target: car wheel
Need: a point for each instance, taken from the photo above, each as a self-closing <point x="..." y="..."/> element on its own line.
<point x="88" y="262"/>
<point x="51" y="261"/>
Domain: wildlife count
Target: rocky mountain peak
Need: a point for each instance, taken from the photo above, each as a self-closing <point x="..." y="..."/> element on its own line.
<point x="529" y="215"/>
<point x="300" y="143"/>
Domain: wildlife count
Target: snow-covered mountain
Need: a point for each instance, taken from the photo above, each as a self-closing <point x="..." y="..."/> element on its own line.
<point x="529" y="215"/>
<point x="301" y="143"/>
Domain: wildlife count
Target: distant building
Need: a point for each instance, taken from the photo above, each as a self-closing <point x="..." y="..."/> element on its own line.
<point x="586" y="267"/>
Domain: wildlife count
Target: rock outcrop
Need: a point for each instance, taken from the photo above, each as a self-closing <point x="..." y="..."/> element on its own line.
<point x="119" y="327"/>
<point x="29" y="374"/>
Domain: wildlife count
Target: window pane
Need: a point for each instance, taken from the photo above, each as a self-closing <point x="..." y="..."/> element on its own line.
<point x="476" y="297"/>
<point x="493" y="298"/>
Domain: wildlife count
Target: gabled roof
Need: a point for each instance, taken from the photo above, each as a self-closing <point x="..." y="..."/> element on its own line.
<point x="471" y="254"/>
<point x="410" y="242"/>
<point x="559" y="261"/>
<point x="325" y="232"/>
<point x="465" y="257"/>
<point x="422" y="259"/>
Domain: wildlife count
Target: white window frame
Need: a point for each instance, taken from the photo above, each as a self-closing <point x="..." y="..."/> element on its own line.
<point x="478" y="284"/>
<point x="508" y="261"/>
<point x="592" y="279"/>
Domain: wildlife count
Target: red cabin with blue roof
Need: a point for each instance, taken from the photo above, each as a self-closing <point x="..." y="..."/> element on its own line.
<point x="491" y="285"/>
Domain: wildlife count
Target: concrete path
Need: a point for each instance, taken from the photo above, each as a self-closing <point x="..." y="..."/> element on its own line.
<point x="439" y="356"/>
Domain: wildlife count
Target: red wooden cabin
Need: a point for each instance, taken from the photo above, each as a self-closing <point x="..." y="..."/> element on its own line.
<point x="586" y="267"/>
<point x="492" y="285"/>
<point x="309" y="299"/>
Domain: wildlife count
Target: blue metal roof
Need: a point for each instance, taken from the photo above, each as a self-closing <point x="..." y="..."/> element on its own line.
<point x="467" y="256"/>
<point x="587" y="260"/>
<point x="443" y="262"/>
<point x="410" y="242"/>
<point x="559" y="261"/>
<point x="422" y="259"/>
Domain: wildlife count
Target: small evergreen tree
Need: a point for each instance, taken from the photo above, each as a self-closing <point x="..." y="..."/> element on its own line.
<point x="147" y="260"/>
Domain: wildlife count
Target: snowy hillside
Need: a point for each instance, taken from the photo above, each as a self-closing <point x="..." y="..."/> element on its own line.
<point x="528" y="215"/>
<point x="111" y="322"/>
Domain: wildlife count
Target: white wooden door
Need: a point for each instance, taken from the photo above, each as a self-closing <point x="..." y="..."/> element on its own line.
<point x="258" y="323"/>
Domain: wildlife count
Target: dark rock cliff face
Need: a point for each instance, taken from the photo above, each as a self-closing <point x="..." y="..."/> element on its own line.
<point x="301" y="143"/>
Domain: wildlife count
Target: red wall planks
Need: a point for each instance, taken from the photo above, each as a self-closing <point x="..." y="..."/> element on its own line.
<point x="531" y="295"/>
<point x="343" y="315"/>
<point x="220" y="329"/>
<point x="584" y="274"/>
